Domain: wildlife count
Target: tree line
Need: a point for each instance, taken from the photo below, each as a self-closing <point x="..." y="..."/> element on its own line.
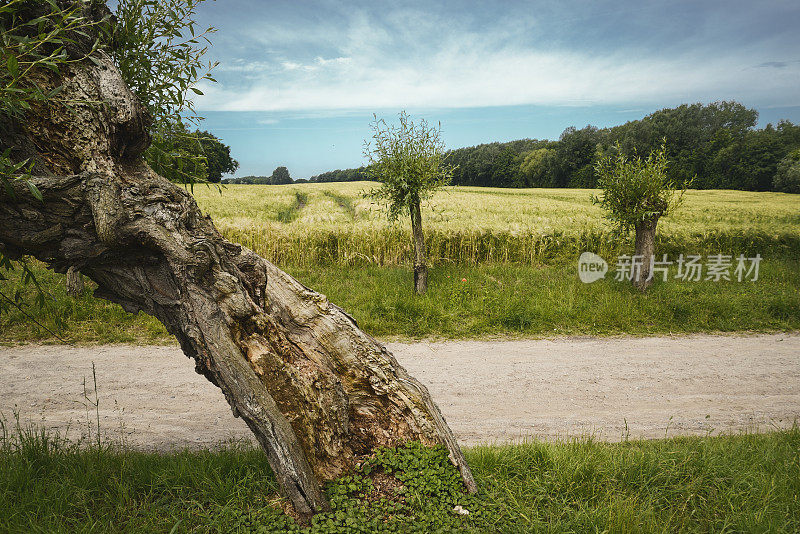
<point x="713" y="146"/>
<point x="279" y="176"/>
<point x="342" y="175"/>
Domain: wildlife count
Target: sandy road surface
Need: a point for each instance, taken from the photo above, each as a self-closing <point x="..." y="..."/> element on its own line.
<point x="489" y="391"/>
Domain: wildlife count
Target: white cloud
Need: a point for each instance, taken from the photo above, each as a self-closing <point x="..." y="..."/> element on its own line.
<point x="291" y="65"/>
<point x="411" y="60"/>
<point x="240" y="65"/>
<point x="322" y="62"/>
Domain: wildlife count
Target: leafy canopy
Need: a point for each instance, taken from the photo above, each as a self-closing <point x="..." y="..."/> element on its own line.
<point x="159" y="51"/>
<point x="409" y="160"/>
<point x="636" y="189"/>
<point x="281" y="176"/>
<point x="218" y="156"/>
<point x="185" y="156"/>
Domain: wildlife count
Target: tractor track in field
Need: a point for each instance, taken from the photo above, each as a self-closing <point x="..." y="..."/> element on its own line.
<point x="489" y="391"/>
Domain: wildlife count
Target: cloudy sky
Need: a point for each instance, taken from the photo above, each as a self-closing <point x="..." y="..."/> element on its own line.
<point x="300" y="80"/>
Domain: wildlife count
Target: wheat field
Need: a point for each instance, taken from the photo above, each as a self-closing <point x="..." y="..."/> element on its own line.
<point x="503" y="264"/>
<point x="310" y="224"/>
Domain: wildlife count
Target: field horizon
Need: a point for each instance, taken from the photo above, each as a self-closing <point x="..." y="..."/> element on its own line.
<point x="503" y="263"/>
<point x="331" y="223"/>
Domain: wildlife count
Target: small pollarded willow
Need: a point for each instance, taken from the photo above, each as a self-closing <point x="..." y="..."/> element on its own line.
<point x="637" y="192"/>
<point x="409" y="160"/>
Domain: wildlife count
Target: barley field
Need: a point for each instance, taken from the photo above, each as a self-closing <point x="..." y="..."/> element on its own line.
<point x="321" y="224"/>
<point x="504" y="263"/>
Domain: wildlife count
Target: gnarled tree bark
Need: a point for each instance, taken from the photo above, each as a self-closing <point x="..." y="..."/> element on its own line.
<point x="317" y="392"/>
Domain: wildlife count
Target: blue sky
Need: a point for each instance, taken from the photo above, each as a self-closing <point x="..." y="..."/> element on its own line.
<point x="300" y="80"/>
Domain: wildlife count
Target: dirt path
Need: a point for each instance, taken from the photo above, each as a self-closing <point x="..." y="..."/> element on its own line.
<point x="489" y="391"/>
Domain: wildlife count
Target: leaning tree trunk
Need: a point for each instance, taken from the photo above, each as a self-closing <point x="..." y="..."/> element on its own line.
<point x="420" y="265"/>
<point x="317" y="392"/>
<point x="644" y="249"/>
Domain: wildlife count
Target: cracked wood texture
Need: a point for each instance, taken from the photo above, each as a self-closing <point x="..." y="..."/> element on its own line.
<point x="317" y="392"/>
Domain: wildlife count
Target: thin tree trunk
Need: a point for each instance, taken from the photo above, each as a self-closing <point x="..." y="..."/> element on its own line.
<point x="420" y="265"/>
<point x="317" y="392"/>
<point x="644" y="250"/>
<point x="74" y="282"/>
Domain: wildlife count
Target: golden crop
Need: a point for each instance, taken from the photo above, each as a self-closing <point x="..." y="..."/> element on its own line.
<point x="307" y="224"/>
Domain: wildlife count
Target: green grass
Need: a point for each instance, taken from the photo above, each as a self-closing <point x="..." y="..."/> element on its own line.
<point x="501" y="299"/>
<point x="82" y="319"/>
<point x="736" y="483"/>
<point x="548" y="300"/>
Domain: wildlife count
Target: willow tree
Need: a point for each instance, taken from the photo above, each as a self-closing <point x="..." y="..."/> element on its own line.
<point x="316" y="391"/>
<point x="409" y="161"/>
<point x="636" y="193"/>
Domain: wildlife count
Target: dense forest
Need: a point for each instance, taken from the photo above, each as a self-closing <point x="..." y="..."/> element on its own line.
<point x="339" y="175"/>
<point x="717" y="146"/>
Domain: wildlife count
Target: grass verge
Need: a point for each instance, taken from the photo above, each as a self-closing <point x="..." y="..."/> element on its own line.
<point x="466" y="302"/>
<point x="549" y="300"/>
<point x="738" y="483"/>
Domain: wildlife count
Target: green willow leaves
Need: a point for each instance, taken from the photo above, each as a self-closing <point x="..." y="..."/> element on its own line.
<point x="159" y="50"/>
<point x="636" y="189"/>
<point x="409" y="160"/>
